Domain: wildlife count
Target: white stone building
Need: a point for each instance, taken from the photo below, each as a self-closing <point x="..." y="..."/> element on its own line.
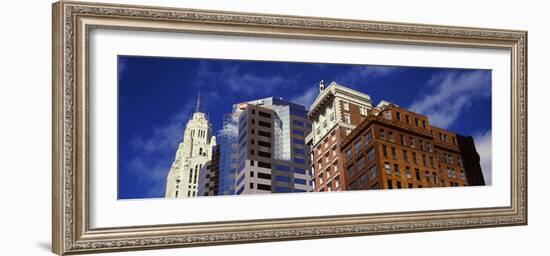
<point x="192" y="154"/>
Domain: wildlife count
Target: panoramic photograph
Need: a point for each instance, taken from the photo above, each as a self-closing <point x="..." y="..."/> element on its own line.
<point x="190" y="127"/>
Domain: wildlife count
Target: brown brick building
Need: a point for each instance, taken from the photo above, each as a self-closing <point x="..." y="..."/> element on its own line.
<point x="396" y="148"/>
<point x="336" y="111"/>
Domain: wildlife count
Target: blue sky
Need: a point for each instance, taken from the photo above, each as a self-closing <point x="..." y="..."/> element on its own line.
<point x="157" y="96"/>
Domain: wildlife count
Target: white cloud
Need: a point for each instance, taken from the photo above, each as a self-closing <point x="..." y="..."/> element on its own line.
<point x="361" y="74"/>
<point x="307" y="98"/>
<point x="230" y="127"/>
<point x="452" y="93"/>
<point x="246" y="83"/>
<point x="484" y="149"/>
<point x="154" y="154"/>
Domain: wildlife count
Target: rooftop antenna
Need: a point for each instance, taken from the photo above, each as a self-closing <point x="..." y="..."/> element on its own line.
<point x="198" y="101"/>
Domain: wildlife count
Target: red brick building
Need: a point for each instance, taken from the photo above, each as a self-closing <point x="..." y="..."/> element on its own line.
<point x="396" y="148"/>
<point x="336" y="111"/>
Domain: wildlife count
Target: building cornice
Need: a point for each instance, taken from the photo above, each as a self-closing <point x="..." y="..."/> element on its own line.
<point x="335" y="90"/>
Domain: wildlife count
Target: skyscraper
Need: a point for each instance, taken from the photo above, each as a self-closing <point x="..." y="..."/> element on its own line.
<point x="336" y="111"/>
<point x="272" y="154"/>
<point x="227" y="138"/>
<point x="191" y="155"/>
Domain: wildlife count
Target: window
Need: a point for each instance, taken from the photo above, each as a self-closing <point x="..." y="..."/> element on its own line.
<point x="357" y="146"/>
<point x="394" y="153"/>
<point x="348" y="154"/>
<point x="402" y="139"/>
<point x="407" y="119"/>
<point x="417" y="174"/>
<point x="408" y="172"/>
<point x="405" y="156"/>
<point x="396" y="170"/>
<point x="299" y="160"/>
<point x="427" y="176"/>
<point x="385" y="150"/>
<point x="398" y="115"/>
<point x="389" y="184"/>
<point x="428" y="147"/>
<point x="251" y="174"/>
<point x="298" y="132"/>
<point x="390" y="136"/>
<point x="252" y="185"/>
<point x="264" y="114"/>
<point x="410" y="185"/>
<point x="285" y="179"/>
<point x="264" y="154"/>
<point x="263" y="143"/>
<point x="298" y="151"/>
<point x="264" y="165"/>
<point x="298" y="141"/>
<point x="265" y="134"/>
<point x="177" y="193"/>
<point x="346" y="105"/>
<point x="300" y="181"/>
<point x="432" y="163"/>
<point x="368" y="138"/>
<point x="363" y="180"/>
<point x="337" y="181"/>
<point x="264" y="124"/>
<point x="351" y="171"/>
<point x="300" y="170"/>
<point x="363" y="111"/>
<point x="416" y="122"/>
<point x="347" y="119"/>
<point x="298" y="123"/>
<point x="282" y="168"/>
<point x="382" y="135"/>
<point x="264" y="187"/>
<point x="373" y="172"/>
<point x="398" y="184"/>
<point x="454" y="141"/>
<point x="424" y="160"/>
<point x="423" y="124"/>
<point x="371" y="155"/>
<point x="361" y="163"/>
<point x="387" y="167"/>
<point x="414" y="158"/>
<point x="411" y="141"/>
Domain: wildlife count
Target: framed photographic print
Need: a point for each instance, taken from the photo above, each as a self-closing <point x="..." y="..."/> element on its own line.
<point x="178" y="127"/>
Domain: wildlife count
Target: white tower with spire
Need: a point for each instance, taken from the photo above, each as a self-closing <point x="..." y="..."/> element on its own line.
<point x="193" y="152"/>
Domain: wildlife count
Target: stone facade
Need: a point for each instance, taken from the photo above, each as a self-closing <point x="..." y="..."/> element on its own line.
<point x="191" y="155"/>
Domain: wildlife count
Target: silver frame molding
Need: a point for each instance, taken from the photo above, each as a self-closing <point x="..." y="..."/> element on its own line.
<point x="72" y="22"/>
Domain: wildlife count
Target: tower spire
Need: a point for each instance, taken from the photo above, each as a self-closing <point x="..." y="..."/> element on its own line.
<point x="198" y="101"/>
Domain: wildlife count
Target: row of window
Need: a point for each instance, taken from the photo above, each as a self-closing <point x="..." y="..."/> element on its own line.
<point x="417" y="122"/>
<point x="429" y="176"/>
<point x="406" y="142"/>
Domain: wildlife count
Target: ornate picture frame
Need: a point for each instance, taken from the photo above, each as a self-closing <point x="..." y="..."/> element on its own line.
<point x="72" y="23"/>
